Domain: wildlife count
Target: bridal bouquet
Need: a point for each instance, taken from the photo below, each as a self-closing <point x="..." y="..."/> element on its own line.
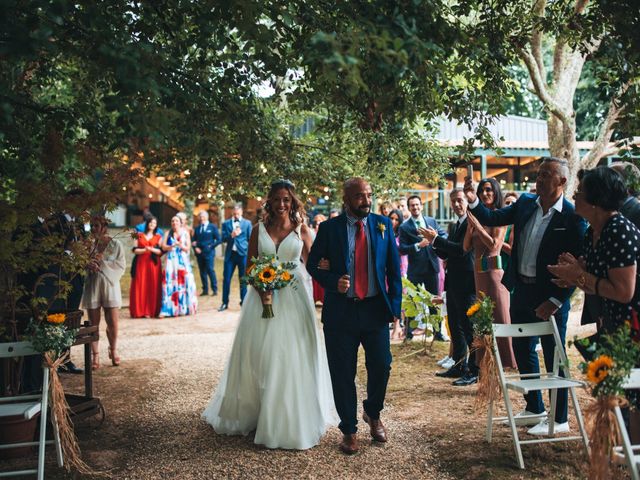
<point x="266" y="275"/>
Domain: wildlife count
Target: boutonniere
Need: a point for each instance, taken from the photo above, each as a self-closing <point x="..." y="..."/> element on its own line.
<point x="383" y="228"/>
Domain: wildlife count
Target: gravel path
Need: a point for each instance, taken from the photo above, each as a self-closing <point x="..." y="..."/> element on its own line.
<point x="154" y="400"/>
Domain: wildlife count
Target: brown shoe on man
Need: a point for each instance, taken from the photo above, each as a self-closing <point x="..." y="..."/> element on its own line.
<point x="349" y="444"/>
<point x="378" y="432"/>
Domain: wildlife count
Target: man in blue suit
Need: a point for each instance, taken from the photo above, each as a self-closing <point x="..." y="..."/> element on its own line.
<point x="545" y="226"/>
<point x="363" y="293"/>
<point x="424" y="265"/>
<point x="206" y="238"/>
<point x="235" y="235"/>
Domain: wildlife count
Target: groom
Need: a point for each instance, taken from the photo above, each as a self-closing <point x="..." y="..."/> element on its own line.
<point x="363" y="292"/>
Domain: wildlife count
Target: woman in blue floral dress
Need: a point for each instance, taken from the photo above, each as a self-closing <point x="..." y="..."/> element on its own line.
<point x="178" y="285"/>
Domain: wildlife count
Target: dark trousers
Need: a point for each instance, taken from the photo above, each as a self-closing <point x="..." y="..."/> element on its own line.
<point x="231" y="262"/>
<point x="360" y="324"/>
<point x="461" y="329"/>
<point x="207" y="273"/>
<point x="430" y="282"/>
<point x="524" y="301"/>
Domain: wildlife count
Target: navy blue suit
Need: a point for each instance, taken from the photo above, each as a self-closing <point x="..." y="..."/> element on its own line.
<point x="235" y="258"/>
<point x="207" y="239"/>
<point x="424" y="265"/>
<point x="349" y="323"/>
<point x="564" y="233"/>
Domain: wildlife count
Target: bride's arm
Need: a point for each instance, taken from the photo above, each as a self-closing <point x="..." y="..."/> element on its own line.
<point x="253" y="247"/>
<point x="307" y="241"/>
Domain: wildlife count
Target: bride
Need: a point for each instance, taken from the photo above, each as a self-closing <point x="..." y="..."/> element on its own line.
<point x="276" y="381"/>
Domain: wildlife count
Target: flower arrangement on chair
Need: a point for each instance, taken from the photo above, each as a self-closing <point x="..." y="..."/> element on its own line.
<point x="52" y="338"/>
<point x="481" y="316"/>
<point x="615" y="355"/>
<point x="268" y="274"/>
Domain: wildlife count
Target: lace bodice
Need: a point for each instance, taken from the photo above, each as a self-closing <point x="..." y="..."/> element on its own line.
<point x="289" y="250"/>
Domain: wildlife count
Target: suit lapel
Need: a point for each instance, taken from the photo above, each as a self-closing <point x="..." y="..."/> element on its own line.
<point x="341" y="225"/>
<point x="372" y="226"/>
<point x="555" y="222"/>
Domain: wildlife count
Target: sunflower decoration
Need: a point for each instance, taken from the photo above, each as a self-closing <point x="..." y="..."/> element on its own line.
<point x="481" y="315"/>
<point x="598" y="369"/>
<point x="268" y="274"/>
<point x="56" y="318"/>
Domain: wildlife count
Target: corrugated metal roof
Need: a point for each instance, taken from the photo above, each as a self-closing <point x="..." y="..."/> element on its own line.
<point x="512" y="128"/>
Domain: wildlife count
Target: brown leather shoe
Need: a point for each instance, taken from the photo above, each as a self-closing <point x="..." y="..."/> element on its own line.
<point x="378" y="432"/>
<point x="349" y="444"/>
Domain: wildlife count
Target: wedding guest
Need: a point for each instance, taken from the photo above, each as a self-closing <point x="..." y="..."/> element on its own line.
<point x="611" y="249"/>
<point x="102" y="286"/>
<point x="424" y="264"/>
<point x="385" y="208"/>
<point x="486" y="243"/>
<point x="146" y="215"/>
<point x="235" y="235"/>
<point x="179" y="286"/>
<point x="631" y="175"/>
<point x="146" y="278"/>
<point x="396" y="220"/>
<point x="594" y="309"/>
<point x="318" y="291"/>
<point x="509" y="199"/>
<point x="206" y="238"/>
<point x="184" y="222"/>
<point x="460" y="291"/>
<point x="547" y="226"/>
<point x="401" y="204"/>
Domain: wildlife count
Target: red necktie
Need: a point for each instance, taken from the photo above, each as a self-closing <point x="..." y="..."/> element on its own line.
<point x="362" y="262"/>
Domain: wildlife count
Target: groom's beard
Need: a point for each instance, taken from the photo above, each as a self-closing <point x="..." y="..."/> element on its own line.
<point x="362" y="211"/>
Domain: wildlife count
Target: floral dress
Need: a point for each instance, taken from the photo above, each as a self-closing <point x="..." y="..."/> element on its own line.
<point x="178" y="285"/>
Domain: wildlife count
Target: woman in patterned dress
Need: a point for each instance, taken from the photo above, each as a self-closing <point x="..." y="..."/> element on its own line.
<point x="178" y="286"/>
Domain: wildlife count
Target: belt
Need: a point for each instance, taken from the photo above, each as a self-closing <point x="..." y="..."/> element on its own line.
<point x="361" y="300"/>
<point x="526" y="280"/>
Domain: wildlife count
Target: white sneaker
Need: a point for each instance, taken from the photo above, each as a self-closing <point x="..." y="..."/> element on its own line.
<point x="526" y="417"/>
<point x="543" y="428"/>
<point x="448" y="364"/>
<point x="443" y="360"/>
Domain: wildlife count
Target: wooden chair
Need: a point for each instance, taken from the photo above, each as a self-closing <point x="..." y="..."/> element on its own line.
<point x="626" y="451"/>
<point x="28" y="406"/>
<point x="525" y="383"/>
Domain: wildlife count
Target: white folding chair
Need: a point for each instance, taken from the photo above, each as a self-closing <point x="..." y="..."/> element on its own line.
<point x="626" y="451"/>
<point x="29" y="406"/>
<point x="525" y="383"/>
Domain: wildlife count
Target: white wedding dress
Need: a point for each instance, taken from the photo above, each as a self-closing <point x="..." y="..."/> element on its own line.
<point x="276" y="381"/>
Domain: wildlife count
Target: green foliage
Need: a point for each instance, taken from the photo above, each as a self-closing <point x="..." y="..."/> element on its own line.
<point x="615" y="354"/>
<point x="47" y="337"/>
<point x="417" y="303"/>
<point x="481" y="315"/>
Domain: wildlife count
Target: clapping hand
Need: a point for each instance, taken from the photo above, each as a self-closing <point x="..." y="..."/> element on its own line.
<point x="474" y="224"/>
<point x="428" y="233"/>
<point x="567" y="270"/>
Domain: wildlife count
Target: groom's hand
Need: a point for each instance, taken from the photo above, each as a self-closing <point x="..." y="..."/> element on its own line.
<point x="343" y="284"/>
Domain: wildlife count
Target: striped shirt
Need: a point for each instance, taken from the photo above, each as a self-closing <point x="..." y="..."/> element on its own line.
<point x="352" y="228"/>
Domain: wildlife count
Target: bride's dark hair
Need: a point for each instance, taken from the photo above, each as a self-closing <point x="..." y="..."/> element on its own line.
<point x="297" y="213"/>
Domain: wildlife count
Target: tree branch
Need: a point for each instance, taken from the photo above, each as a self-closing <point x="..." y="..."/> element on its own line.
<point x="541" y="87"/>
<point x="536" y="39"/>
<point x="601" y="146"/>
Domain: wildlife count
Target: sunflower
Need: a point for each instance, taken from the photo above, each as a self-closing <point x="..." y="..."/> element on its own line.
<point x="56" y="318"/>
<point x="473" y="309"/>
<point x="267" y="275"/>
<point x="286" y="276"/>
<point x="598" y="369"/>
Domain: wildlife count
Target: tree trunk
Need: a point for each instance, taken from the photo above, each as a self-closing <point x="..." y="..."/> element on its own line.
<point x="563" y="144"/>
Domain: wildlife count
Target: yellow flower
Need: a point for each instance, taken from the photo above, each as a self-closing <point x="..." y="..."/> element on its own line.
<point x="598" y="369"/>
<point x="267" y="275"/>
<point x="383" y="228"/>
<point x="286" y="276"/>
<point x="56" y="318"/>
<point x="473" y="309"/>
